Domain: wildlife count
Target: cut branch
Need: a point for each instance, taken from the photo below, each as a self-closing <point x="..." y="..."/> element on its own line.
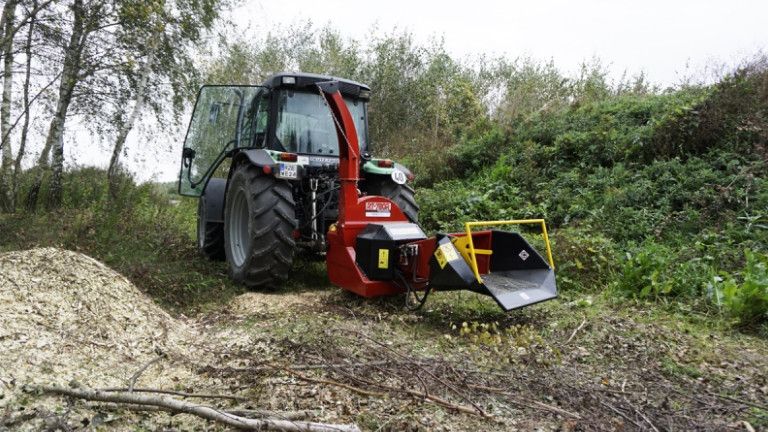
<point x="209" y="413"/>
<point x="176" y="393"/>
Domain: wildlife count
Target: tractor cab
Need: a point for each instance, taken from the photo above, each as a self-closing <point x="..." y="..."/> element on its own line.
<point x="285" y="115"/>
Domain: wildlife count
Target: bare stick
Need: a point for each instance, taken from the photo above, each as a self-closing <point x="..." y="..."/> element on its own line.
<point x="269" y="367"/>
<point x="176" y="393"/>
<point x="449" y="386"/>
<point x="333" y="383"/>
<point x="626" y="417"/>
<point x="134" y="377"/>
<point x="576" y="331"/>
<point x="259" y="413"/>
<point x="178" y="406"/>
<point x="437" y="400"/>
<point x="645" y="418"/>
<point x="526" y="402"/>
<point x="743" y="402"/>
<point x="249" y="413"/>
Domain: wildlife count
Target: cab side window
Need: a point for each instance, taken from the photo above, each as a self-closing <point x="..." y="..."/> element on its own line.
<point x="260" y="120"/>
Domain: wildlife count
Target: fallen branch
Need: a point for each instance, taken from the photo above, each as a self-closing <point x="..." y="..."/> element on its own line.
<point x="354" y="389"/>
<point x="477" y="408"/>
<point x="525" y="402"/>
<point x="743" y="402"/>
<point x="178" y="406"/>
<point x="423" y="395"/>
<point x="259" y="413"/>
<point x="626" y="417"/>
<point x="576" y="331"/>
<point x="271" y="367"/>
<point x="175" y="393"/>
<point x="248" y="413"/>
<point x="135" y="376"/>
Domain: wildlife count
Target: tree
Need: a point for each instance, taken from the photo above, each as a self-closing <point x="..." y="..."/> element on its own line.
<point x="8" y="21"/>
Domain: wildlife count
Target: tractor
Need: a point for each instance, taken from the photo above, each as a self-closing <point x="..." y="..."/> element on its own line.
<point x="287" y="167"/>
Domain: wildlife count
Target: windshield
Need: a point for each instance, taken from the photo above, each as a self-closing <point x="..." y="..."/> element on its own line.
<point x="305" y="124"/>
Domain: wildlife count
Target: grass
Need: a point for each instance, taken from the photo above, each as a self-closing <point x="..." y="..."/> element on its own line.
<point x="623" y="339"/>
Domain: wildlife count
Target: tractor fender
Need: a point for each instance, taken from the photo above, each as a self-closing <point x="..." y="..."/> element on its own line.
<point x="213" y="199"/>
<point x="372" y="169"/>
<point x="257" y="157"/>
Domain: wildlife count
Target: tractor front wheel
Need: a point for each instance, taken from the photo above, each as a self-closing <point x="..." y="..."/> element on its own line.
<point x="400" y="194"/>
<point x="259" y="220"/>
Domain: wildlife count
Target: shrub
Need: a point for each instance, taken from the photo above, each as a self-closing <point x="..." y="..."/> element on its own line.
<point x="747" y="299"/>
<point x="654" y="270"/>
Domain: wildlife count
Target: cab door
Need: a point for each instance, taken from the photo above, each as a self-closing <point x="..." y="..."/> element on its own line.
<point x="217" y="127"/>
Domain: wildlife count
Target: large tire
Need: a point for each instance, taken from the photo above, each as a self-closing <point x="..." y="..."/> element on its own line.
<point x="259" y="220"/>
<point x="401" y="194"/>
<point x="210" y="235"/>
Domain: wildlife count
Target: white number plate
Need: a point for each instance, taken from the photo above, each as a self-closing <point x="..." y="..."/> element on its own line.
<point x="288" y="171"/>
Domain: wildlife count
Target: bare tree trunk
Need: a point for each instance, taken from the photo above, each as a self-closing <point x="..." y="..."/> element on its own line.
<point x="25" y="126"/>
<point x="8" y="19"/>
<point x="125" y="129"/>
<point x="69" y="79"/>
<point x="40" y="169"/>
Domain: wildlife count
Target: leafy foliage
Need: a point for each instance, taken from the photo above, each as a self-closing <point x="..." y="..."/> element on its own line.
<point x="655" y="195"/>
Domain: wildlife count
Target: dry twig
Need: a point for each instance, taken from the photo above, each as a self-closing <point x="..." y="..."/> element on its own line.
<point x="576" y="331"/>
<point x="178" y="406"/>
<point x="135" y="376"/>
<point x="176" y="393"/>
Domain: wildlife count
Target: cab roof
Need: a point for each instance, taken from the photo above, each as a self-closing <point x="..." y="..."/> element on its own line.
<point x="303" y="80"/>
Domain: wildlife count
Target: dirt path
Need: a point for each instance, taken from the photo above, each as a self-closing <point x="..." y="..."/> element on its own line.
<point x="572" y="364"/>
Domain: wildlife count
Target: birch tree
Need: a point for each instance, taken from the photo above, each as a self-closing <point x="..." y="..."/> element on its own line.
<point x="8" y="21"/>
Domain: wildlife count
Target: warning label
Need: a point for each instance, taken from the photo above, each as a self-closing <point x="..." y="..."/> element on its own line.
<point x="445" y="254"/>
<point x="383" y="258"/>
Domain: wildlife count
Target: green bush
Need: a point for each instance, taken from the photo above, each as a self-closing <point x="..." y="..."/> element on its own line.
<point x="653" y="270"/>
<point x="746" y="298"/>
<point x="654" y="196"/>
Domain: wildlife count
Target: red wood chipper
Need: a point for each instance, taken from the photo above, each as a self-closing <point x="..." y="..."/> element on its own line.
<point x="374" y="250"/>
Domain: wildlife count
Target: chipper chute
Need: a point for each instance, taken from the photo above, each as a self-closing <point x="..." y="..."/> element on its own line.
<point x="499" y="264"/>
<point x="374" y="250"/>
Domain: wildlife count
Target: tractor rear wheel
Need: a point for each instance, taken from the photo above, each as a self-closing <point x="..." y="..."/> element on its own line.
<point x="259" y="220"/>
<point x="400" y="194"/>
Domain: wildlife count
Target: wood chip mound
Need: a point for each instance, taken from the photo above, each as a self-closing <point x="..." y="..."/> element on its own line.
<point x="66" y="317"/>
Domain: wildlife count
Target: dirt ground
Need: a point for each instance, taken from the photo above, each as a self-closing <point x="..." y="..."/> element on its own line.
<point x="576" y="363"/>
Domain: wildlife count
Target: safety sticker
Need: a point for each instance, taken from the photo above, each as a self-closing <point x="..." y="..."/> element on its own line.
<point x="378" y="209"/>
<point x="383" y="258"/>
<point x="445" y="254"/>
<point x="523" y="255"/>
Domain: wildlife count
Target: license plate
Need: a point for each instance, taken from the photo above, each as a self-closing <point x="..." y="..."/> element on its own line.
<point x="288" y="171"/>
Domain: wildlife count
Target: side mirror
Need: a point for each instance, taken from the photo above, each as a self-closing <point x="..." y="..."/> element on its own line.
<point x="187" y="155"/>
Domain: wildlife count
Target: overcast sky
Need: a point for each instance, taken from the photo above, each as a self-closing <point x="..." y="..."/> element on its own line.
<point x="666" y="39"/>
<point x="658" y="37"/>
